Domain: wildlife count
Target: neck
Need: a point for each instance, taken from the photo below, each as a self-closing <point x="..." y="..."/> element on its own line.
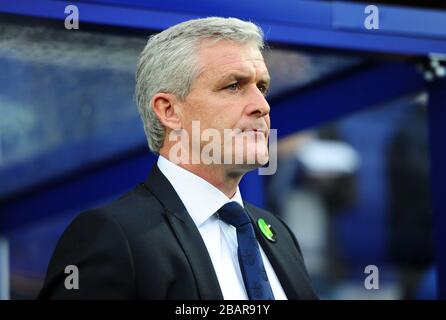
<point x="220" y="176"/>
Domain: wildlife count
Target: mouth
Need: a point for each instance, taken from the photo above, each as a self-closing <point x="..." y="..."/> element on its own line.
<point x="255" y="130"/>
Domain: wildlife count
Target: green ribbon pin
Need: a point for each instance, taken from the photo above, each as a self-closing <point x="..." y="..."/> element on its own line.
<point x="266" y="230"/>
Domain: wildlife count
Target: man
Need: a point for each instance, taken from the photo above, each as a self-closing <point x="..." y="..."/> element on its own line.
<point x="186" y="233"/>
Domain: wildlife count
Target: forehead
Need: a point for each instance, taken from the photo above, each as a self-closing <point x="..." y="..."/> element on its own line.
<point x="224" y="56"/>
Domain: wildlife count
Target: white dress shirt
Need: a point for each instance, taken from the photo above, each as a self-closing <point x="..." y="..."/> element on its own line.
<point x="202" y="200"/>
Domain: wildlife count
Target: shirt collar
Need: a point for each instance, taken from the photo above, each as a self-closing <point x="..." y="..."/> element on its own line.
<point x="200" y="198"/>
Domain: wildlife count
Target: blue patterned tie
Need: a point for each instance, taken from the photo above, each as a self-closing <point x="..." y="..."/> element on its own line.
<point x="249" y="257"/>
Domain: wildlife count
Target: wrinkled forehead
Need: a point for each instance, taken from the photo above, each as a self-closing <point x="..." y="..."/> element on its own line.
<point x="218" y="58"/>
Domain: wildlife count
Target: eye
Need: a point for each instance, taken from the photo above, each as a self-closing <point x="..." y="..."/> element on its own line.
<point x="233" y="86"/>
<point x="263" y="89"/>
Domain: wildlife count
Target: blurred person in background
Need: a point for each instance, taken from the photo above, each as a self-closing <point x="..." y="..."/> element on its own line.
<point x="410" y="214"/>
<point x="314" y="182"/>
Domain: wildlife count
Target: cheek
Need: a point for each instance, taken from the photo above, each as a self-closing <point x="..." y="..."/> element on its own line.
<point x="268" y="121"/>
<point x="215" y="112"/>
<point x="233" y="114"/>
<point x="197" y="114"/>
<point x="223" y="118"/>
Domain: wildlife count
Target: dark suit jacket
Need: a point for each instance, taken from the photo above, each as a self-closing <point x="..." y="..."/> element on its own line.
<point x="145" y="245"/>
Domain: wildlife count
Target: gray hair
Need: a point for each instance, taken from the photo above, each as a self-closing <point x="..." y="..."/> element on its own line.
<point x="168" y="63"/>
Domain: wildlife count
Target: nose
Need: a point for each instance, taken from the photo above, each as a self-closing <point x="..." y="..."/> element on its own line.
<point x="257" y="105"/>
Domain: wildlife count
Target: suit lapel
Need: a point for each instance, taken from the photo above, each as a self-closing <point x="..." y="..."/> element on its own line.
<point x="291" y="274"/>
<point x="187" y="234"/>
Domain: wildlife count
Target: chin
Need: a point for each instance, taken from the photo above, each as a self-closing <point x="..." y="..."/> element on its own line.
<point x="252" y="158"/>
<point x="257" y="152"/>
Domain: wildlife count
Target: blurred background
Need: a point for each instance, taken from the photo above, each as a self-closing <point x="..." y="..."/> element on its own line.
<point x="359" y="116"/>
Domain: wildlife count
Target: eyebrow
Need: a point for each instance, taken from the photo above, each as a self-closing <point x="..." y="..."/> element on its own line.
<point x="244" y="77"/>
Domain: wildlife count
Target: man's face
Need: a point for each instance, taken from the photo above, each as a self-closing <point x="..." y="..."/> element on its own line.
<point x="229" y="93"/>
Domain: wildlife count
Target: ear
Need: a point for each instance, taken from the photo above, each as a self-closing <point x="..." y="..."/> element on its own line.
<point x="163" y="106"/>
